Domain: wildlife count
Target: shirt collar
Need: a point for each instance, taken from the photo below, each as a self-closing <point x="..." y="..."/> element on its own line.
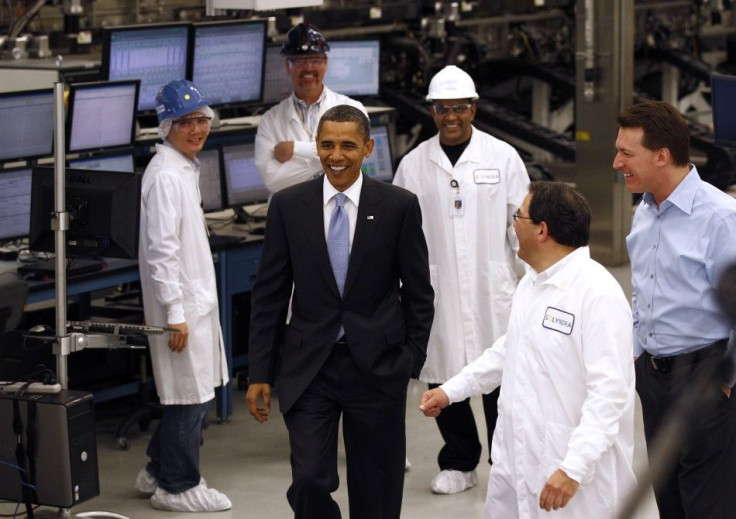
<point x="302" y="105"/>
<point x="353" y="192"/>
<point x="558" y="274"/>
<point x="684" y="194"/>
<point x="194" y="162"/>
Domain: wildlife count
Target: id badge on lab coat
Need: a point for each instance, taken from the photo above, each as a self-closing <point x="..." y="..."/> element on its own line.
<point x="457" y="206"/>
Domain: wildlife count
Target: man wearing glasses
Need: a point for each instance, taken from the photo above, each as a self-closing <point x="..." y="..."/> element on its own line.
<point x="469" y="184"/>
<point x="285" y="149"/>
<point x="565" y="435"/>
<point x="179" y="291"/>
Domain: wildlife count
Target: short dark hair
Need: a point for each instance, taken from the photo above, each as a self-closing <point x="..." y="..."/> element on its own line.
<point x="663" y="126"/>
<point x="347" y="114"/>
<point x="565" y="211"/>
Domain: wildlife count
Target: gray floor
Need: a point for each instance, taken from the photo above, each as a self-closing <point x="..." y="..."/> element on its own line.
<point x="250" y="463"/>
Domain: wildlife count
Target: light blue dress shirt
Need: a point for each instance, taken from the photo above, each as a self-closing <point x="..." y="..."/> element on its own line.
<point x="678" y="253"/>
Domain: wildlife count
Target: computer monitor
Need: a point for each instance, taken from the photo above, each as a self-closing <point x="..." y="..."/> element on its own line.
<point x="103" y="207"/>
<point x="380" y="165"/>
<point x="26" y="124"/>
<point x="210" y="180"/>
<point x="15" y="203"/>
<point x="155" y="54"/>
<point x="723" y="101"/>
<point x="227" y="61"/>
<point x="277" y="83"/>
<point x="243" y="184"/>
<point x="353" y="67"/>
<point x="124" y="162"/>
<point x="101" y="115"/>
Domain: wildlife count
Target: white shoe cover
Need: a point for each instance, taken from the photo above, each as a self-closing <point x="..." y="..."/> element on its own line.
<point x="453" y="481"/>
<point x="145" y="483"/>
<point x="196" y="499"/>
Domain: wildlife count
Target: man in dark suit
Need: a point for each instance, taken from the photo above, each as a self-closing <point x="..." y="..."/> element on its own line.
<point x="362" y="306"/>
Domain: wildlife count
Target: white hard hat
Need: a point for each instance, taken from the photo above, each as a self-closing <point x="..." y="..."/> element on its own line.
<point x="451" y="83"/>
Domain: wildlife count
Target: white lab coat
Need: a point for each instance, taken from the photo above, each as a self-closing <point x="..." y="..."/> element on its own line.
<point x="283" y="122"/>
<point x="178" y="280"/>
<point x="567" y="393"/>
<point x="472" y="258"/>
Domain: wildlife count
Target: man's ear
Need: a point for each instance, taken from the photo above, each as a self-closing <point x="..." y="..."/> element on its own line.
<point x="663" y="157"/>
<point x="543" y="230"/>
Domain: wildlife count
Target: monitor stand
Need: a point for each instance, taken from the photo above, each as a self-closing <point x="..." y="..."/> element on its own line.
<point x="241" y="215"/>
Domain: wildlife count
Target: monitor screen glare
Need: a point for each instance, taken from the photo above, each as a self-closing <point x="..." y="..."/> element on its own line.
<point x="155" y="55"/>
<point x="101" y="115"/>
<point x="228" y="61"/>
<point x="26" y="124"/>
<point x="15" y="203"/>
<point x="242" y="181"/>
<point x="380" y="164"/>
<point x="353" y="67"/>
<point x="210" y="184"/>
<point x="125" y="163"/>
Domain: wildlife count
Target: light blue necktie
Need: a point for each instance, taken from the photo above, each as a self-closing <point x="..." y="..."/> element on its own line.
<point x="338" y="241"/>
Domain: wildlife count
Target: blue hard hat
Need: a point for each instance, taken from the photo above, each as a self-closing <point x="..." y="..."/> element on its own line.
<point x="178" y="98"/>
<point x="304" y="38"/>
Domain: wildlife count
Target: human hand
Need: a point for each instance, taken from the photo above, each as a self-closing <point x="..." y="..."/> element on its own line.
<point x="433" y="401"/>
<point x="283" y="151"/>
<point x="254" y="394"/>
<point x="178" y="340"/>
<point x="558" y="491"/>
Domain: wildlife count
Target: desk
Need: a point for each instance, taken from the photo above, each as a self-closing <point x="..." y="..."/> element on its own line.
<point x="236" y="267"/>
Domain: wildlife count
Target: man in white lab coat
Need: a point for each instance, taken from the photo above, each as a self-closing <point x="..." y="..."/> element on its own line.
<point x="565" y="433"/>
<point x="469" y="184"/>
<point x="285" y="151"/>
<point x="179" y="291"/>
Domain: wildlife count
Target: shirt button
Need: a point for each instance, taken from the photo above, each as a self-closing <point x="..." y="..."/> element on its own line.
<point x="654" y="246"/>
<point x="650" y="334"/>
<point x="649" y="306"/>
<point x="651" y="276"/>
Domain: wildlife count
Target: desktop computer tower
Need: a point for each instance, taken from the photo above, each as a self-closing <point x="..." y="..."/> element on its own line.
<point x="65" y="457"/>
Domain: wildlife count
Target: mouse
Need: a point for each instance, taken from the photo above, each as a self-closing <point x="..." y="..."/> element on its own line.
<point x="41" y="329"/>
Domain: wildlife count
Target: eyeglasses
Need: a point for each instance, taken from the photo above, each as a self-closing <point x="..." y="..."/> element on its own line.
<point x="304" y="62"/>
<point x="189" y="124"/>
<point x="516" y="216"/>
<point x="460" y="109"/>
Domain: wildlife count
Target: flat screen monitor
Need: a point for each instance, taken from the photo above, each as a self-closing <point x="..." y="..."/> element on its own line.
<point x="124" y="162"/>
<point x="101" y="115"/>
<point x="353" y="67"/>
<point x="277" y="81"/>
<point x="103" y="207"/>
<point x="227" y="61"/>
<point x="380" y="164"/>
<point x="15" y="203"/>
<point x="243" y="184"/>
<point x="210" y="180"/>
<point x="723" y="100"/>
<point x="155" y="54"/>
<point x="26" y="124"/>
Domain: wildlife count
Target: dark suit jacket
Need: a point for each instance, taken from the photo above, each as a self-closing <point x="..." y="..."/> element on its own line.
<point x="388" y="303"/>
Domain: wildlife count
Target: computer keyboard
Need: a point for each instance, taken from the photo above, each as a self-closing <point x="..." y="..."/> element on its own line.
<point x="116" y="328"/>
<point x="29" y="387"/>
